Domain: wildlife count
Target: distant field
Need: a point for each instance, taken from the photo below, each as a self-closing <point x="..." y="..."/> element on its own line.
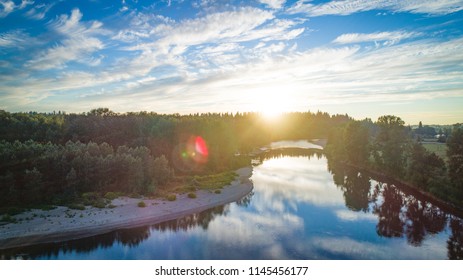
<point x="439" y="148"/>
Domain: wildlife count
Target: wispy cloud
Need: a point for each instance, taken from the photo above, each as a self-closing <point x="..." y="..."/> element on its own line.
<point x="39" y="11"/>
<point x="389" y="38"/>
<point x="13" y="38"/>
<point x="347" y="7"/>
<point x="274" y="4"/>
<point x="78" y="44"/>
<point x="8" y="6"/>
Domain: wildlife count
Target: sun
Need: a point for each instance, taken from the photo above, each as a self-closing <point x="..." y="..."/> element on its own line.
<point x="271" y="110"/>
<point x="272" y="103"/>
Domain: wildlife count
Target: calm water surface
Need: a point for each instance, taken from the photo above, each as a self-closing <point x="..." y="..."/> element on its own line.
<point x="301" y="208"/>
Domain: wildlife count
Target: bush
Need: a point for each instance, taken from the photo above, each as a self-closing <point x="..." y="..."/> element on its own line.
<point x="141" y="204"/>
<point x="171" y="197"/>
<point x="76" y="206"/>
<point x="217" y="191"/>
<point x="111" y="195"/>
<point x="8" y="219"/>
<point x="192" y="195"/>
<point x="99" y="204"/>
<point x="134" y="195"/>
<point x="12" y="210"/>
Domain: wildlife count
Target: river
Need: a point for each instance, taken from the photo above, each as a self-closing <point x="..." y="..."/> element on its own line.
<point x="302" y="207"/>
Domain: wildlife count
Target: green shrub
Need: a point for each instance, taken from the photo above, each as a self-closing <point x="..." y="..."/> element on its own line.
<point x="171" y="197"/>
<point x="151" y="189"/>
<point x="76" y="206"/>
<point x="192" y="195"/>
<point x="90" y="196"/>
<point x="12" y="210"/>
<point x="217" y="191"/>
<point x="141" y="204"/>
<point x="100" y="203"/>
<point x="134" y="195"/>
<point x="8" y="219"/>
<point x="47" y="207"/>
<point x="111" y="206"/>
<point x="111" y="195"/>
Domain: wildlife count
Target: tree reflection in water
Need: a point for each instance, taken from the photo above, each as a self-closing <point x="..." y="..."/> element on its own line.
<point x="390" y="218"/>
<point x="130" y="237"/>
<point x="191" y="221"/>
<point x="455" y="242"/>
<point x="127" y="237"/>
<point x="398" y="213"/>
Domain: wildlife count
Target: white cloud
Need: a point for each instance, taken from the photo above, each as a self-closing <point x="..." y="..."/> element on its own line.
<point x="217" y="27"/>
<point x="8" y="6"/>
<point x="79" y="43"/>
<point x="274" y="4"/>
<point x="39" y="11"/>
<point x="13" y="39"/>
<point x="388" y="37"/>
<point x="347" y="7"/>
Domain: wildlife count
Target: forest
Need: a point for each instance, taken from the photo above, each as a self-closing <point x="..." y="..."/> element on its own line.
<point x="388" y="147"/>
<point x="58" y="158"/>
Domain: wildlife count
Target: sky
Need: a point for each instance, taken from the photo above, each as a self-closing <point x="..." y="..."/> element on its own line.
<point x="365" y="58"/>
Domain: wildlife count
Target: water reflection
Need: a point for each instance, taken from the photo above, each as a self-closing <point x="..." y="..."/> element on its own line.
<point x="297" y="210"/>
<point x="191" y="221"/>
<point x="398" y="213"/>
<point x="129" y="237"/>
<point x="455" y="242"/>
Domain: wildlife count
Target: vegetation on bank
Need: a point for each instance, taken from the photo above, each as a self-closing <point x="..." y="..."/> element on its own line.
<point x="62" y="158"/>
<point x="91" y="158"/>
<point x="389" y="147"/>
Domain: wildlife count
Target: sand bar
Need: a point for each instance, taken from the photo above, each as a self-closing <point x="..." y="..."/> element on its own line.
<point x="62" y="224"/>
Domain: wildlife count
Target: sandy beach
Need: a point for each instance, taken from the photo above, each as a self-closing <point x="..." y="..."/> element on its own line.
<point x="61" y="224"/>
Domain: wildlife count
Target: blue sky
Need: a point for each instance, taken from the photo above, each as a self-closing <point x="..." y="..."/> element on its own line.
<point x="363" y="58"/>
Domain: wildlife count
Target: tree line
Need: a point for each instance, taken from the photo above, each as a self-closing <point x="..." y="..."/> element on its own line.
<point x="389" y="147"/>
<point x="56" y="157"/>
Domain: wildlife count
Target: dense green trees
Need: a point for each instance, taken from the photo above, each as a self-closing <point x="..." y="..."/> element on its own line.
<point x="58" y="156"/>
<point x="455" y="159"/>
<point x="388" y="147"/>
<point x="35" y="173"/>
<point x="356" y="141"/>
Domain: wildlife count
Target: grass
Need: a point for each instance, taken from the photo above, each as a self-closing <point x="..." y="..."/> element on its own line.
<point x="141" y="204"/>
<point x="190" y="184"/>
<point x="212" y="182"/>
<point x="94" y="199"/>
<point x="11" y="210"/>
<point x="112" y="195"/>
<point x="171" y="197"/>
<point x="76" y="206"/>
<point x="440" y="149"/>
<point x="192" y="195"/>
<point x="8" y="219"/>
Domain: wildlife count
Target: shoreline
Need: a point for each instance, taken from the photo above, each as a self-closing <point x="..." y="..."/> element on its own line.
<point x="63" y="224"/>
<point x="455" y="210"/>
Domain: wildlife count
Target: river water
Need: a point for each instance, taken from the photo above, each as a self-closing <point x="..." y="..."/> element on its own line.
<point x="302" y="207"/>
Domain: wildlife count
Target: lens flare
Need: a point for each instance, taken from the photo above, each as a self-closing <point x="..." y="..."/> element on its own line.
<point x="191" y="154"/>
<point x="201" y="147"/>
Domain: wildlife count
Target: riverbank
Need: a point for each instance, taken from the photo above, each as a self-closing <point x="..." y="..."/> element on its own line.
<point x="61" y="224"/>
<point x="419" y="193"/>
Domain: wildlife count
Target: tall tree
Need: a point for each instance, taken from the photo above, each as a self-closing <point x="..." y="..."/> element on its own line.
<point x="390" y="144"/>
<point x="356" y="143"/>
<point x="455" y="159"/>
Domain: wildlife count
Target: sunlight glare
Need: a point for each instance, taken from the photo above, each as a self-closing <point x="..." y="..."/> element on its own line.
<point x="273" y="102"/>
